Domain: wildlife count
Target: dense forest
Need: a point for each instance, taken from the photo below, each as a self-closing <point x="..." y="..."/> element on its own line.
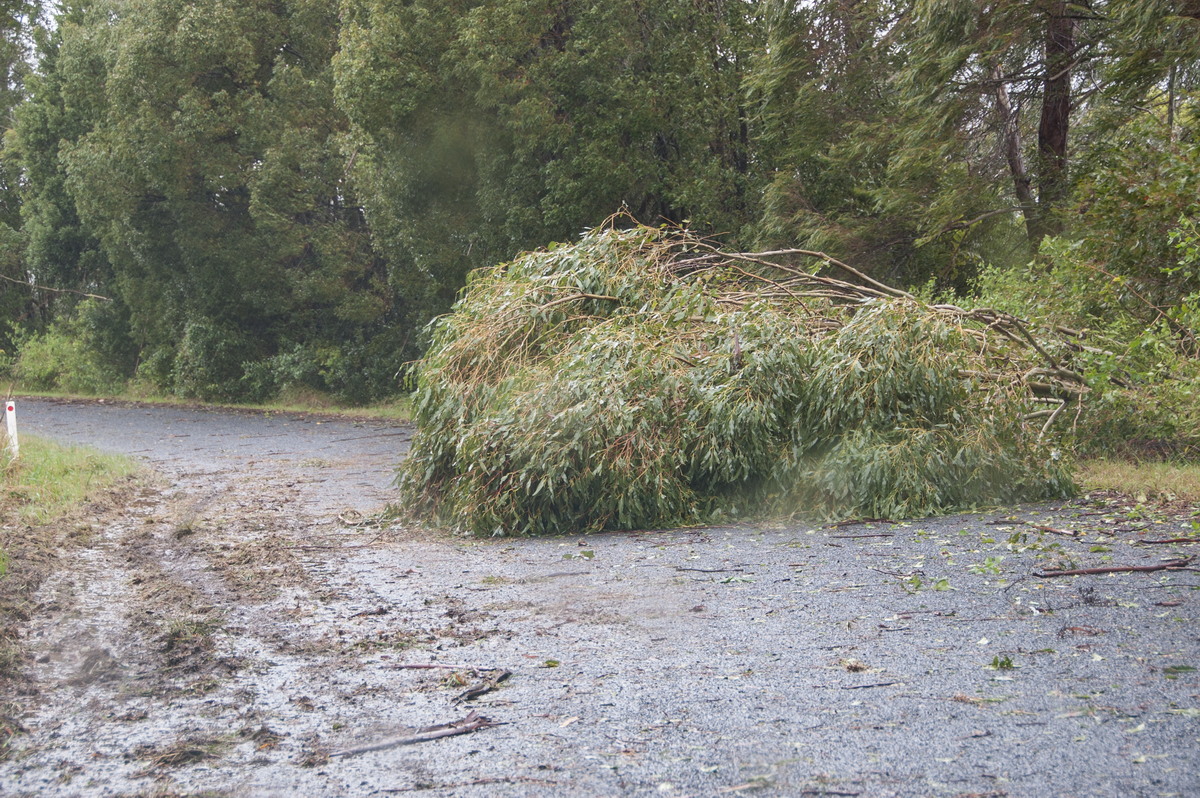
<point x="229" y="200"/>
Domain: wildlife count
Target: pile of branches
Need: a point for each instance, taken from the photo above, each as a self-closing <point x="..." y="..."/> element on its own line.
<point x="644" y="378"/>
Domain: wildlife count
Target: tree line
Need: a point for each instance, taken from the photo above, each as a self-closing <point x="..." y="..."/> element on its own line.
<point x="226" y="200"/>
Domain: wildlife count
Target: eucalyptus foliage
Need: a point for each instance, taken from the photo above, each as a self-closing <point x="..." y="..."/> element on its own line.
<point x="640" y="379"/>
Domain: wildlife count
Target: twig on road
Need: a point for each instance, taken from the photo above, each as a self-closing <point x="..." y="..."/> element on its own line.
<point x="337" y="546"/>
<point x="1053" y="531"/>
<point x="1170" y="540"/>
<point x="856" y="521"/>
<point x="472" y="722"/>
<point x="472" y="783"/>
<point x="433" y="665"/>
<point x="1173" y="565"/>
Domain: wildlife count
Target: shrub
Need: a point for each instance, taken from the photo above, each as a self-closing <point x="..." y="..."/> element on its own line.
<point x="209" y="361"/>
<point x="1141" y="360"/>
<point x="66" y="356"/>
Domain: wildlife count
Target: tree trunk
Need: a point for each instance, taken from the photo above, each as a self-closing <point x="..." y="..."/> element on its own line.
<point x="1010" y="143"/>
<point x="1055" y="121"/>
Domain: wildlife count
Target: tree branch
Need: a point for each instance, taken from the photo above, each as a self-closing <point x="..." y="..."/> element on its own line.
<point x="1173" y="565"/>
<point x="55" y="290"/>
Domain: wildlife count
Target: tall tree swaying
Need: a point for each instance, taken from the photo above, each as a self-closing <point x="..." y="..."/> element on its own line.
<point x="909" y="135"/>
<point x="486" y="127"/>
<point x="17" y="17"/>
<point x="281" y="193"/>
<point x="211" y="172"/>
<point x="993" y="66"/>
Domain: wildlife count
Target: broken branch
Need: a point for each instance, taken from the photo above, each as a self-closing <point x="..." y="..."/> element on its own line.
<point x="486" y="686"/>
<point x="1173" y="565"/>
<point x="1170" y="540"/>
<point x="472" y="722"/>
<point x="1053" y="531"/>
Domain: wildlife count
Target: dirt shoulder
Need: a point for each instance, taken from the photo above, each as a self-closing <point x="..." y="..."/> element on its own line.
<point x="253" y="628"/>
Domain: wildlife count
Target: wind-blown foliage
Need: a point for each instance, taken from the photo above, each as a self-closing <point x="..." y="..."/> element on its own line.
<point x="641" y="378"/>
<point x="278" y="194"/>
<point x="486" y="127"/>
<point x="188" y="163"/>
<point x="16" y="17"/>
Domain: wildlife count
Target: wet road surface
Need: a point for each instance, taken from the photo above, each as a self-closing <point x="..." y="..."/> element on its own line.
<point x="233" y="632"/>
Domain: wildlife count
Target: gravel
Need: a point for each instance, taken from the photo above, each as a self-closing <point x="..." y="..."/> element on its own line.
<point x="929" y="657"/>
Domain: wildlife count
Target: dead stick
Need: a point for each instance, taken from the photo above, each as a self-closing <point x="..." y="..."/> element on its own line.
<point x="337" y="546"/>
<point x="1053" y="531"/>
<point x="712" y="570"/>
<point x="429" y="665"/>
<point x="1116" y="569"/>
<point x="876" y="535"/>
<point x="474" y="783"/>
<point x="1170" y="540"/>
<point x="472" y="722"/>
<point x="486" y="686"/>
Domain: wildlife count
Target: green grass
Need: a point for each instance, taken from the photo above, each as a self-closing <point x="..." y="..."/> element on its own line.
<point x="49" y="479"/>
<point x="1152" y="480"/>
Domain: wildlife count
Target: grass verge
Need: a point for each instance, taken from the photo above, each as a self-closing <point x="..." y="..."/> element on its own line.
<point x="38" y="494"/>
<point x="49" y="480"/>
<point x="1143" y="480"/>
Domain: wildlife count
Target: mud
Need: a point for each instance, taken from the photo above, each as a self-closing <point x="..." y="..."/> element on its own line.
<point x="233" y="632"/>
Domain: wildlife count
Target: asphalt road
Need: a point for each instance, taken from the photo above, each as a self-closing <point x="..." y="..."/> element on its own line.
<point x="356" y="458"/>
<point x="928" y="657"/>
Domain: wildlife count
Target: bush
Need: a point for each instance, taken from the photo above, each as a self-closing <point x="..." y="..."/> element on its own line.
<point x="67" y="355"/>
<point x="209" y="362"/>
<point x="640" y="379"/>
<point x="1141" y="361"/>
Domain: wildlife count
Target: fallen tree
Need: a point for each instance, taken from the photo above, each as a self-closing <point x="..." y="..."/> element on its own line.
<point x="643" y="378"/>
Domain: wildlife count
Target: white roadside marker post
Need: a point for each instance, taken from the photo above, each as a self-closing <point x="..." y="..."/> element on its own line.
<point x="10" y="420"/>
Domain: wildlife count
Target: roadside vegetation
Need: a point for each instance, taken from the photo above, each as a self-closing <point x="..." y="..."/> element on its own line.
<point x="49" y="480"/>
<point x="1145" y="481"/>
<point x="39" y="495"/>
<point x="272" y="202"/>
<point x="643" y="378"/>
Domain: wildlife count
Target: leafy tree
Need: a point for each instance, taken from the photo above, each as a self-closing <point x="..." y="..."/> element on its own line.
<point x="852" y="168"/>
<point x="64" y="257"/>
<point x="825" y="118"/>
<point x="210" y="169"/>
<point x="485" y="128"/>
<point x="907" y="135"/>
<point x="1137" y="198"/>
<point x="986" y="68"/>
<point x="16" y="20"/>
